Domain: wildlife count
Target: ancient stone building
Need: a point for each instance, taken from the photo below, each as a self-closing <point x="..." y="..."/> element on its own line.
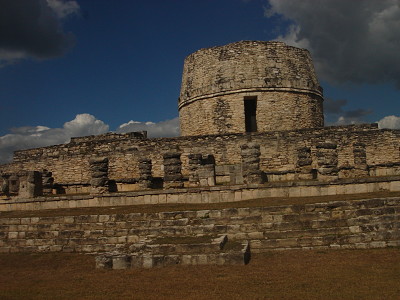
<point x="251" y="114"/>
<point x="249" y="86"/>
<point x="252" y="127"/>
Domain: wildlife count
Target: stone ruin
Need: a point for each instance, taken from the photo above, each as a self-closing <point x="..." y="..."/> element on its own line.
<point x="146" y="254"/>
<point x="251" y="120"/>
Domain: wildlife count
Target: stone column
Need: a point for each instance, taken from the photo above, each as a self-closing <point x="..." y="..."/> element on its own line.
<point x="195" y="161"/>
<point x="172" y="170"/>
<point x="327" y="158"/>
<point x="5" y="185"/>
<point x="206" y="172"/>
<point x="47" y="182"/>
<point x="360" y="160"/>
<point x="30" y="184"/>
<point x="99" y="172"/>
<point x="251" y="164"/>
<point x="202" y="170"/>
<point x="13" y="182"/>
<point x="145" y="176"/>
<point x="304" y="164"/>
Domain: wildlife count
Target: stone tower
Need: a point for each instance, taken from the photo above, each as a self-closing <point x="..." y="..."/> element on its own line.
<point x="249" y="86"/>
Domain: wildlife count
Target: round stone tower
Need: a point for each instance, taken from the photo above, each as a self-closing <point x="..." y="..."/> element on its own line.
<point x="249" y="86"/>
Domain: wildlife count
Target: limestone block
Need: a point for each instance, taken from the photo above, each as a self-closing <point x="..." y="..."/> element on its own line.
<point x="99" y="175"/>
<point x="121" y="262"/>
<point x="104" y="262"/>
<point x="256" y="74"/>
<point x="172" y="170"/>
<point x="30" y="184"/>
<point x="47" y="182"/>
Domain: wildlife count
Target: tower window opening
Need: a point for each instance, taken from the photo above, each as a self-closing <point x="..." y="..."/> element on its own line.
<point x="250" y="112"/>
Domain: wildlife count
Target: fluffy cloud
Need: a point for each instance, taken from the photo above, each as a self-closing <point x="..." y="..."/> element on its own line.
<point x="391" y="122"/>
<point x="40" y="136"/>
<point x="351" y="41"/>
<point x="84" y="124"/>
<point x="32" y="28"/>
<point x="167" y="128"/>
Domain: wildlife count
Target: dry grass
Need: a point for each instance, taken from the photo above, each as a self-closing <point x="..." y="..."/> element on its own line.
<point x="336" y="274"/>
<point x="185" y="206"/>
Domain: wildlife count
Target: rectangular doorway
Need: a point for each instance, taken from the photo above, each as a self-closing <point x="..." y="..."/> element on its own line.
<point x="250" y="112"/>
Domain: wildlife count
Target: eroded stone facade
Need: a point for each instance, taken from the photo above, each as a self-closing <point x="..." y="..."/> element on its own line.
<point x="220" y="84"/>
<point x="289" y="143"/>
<point x="252" y="125"/>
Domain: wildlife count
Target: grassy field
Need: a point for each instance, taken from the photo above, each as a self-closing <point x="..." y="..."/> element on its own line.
<point x="334" y="274"/>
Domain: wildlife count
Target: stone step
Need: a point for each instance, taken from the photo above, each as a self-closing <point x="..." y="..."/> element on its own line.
<point x="327" y="240"/>
<point x="181" y="245"/>
<point x="360" y="245"/>
<point x="49" y="232"/>
<point x="151" y="260"/>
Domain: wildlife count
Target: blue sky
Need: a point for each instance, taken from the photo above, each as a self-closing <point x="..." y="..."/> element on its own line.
<point x="89" y="66"/>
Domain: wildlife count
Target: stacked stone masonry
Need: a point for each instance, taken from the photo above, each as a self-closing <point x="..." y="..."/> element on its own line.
<point x="207" y="194"/>
<point x="147" y="254"/>
<point x="369" y="223"/>
<point x="219" y="82"/>
<point x="251" y="163"/>
<point x="282" y="155"/>
<point x="145" y="177"/>
<point x="233" y="96"/>
<point x="172" y="170"/>
<point x="99" y="182"/>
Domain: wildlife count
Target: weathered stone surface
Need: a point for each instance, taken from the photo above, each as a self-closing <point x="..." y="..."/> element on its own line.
<point x="30" y="184"/>
<point x="5" y="185"/>
<point x="251" y="164"/>
<point x="327" y="159"/>
<point x="99" y="181"/>
<point x="145" y="174"/>
<point x="104" y="262"/>
<point x="216" y="81"/>
<point x="331" y="224"/>
<point x="217" y="86"/>
<point x="172" y="170"/>
<point x="47" y="182"/>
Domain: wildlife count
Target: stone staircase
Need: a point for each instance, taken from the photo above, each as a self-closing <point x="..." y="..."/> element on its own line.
<point x="147" y="254"/>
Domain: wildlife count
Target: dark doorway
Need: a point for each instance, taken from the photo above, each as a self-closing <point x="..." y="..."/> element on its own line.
<point x="250" y="111"/>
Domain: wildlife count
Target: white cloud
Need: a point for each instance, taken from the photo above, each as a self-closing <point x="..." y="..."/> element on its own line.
<point x="351" y="41"/>
<point x="40" y="136"/>
<point x="391" y="122"/>
<point x="167" y="128"/>
<point x="85" y="124"/>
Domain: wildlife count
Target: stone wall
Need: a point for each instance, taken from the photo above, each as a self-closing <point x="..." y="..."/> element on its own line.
<point x="206" y="194"/>
<point x="216" y="82"/>
<point x="279" y="154"/>
<point x="341" y="224"/>
<point x="275" y="111"/>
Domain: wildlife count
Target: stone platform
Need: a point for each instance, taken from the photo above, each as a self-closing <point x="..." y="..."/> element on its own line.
<point x="356" y="224"/>
<point x="214" y="194"/>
